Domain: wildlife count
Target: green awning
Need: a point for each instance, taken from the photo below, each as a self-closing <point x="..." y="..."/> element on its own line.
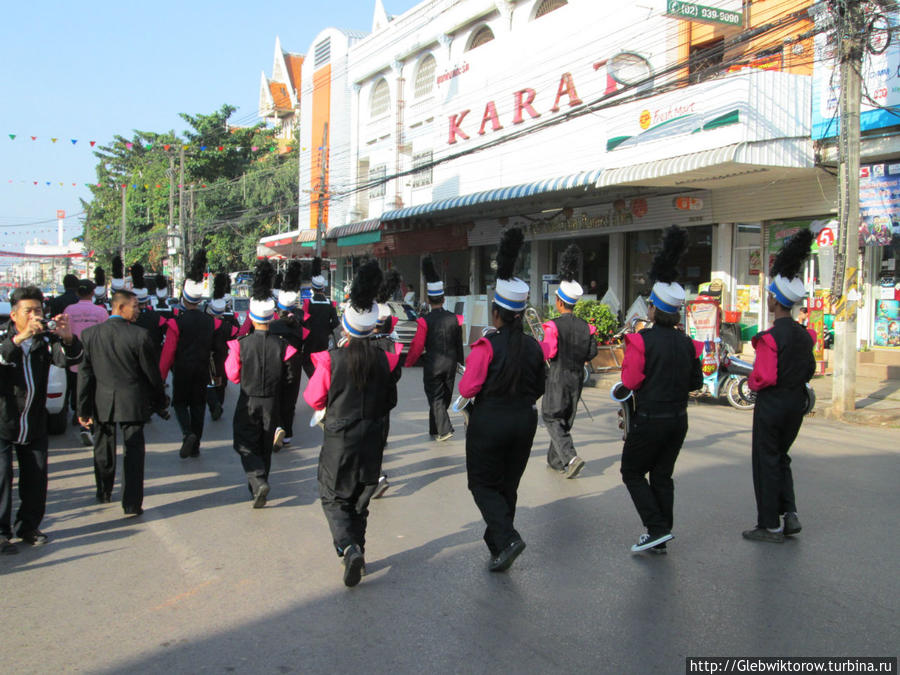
<point x="362" y="238"/>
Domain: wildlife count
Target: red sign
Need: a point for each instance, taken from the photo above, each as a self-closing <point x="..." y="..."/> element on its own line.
<point x="688" y="204"/>
<point x="825" y="237"/>
<point x="60" y="213"/>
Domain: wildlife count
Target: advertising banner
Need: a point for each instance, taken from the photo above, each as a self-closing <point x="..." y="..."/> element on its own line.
<point x="879" y="203"/>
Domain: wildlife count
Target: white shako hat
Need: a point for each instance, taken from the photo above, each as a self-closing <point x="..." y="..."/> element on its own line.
<point x="262" y="304"/>
<point x="667" y="295"/>
<point x="318" y="280"/>
<point x="787" y="286"/>
<point x="569" y="291"/>
<point x="218" y="304"/>
<point x="100" y="282"/>
<point x="193" y="291"/>
<point x="510" y="292"/>
<point x="118" y="274"/>
<point x="162" y="286"/>
<point x="361" y="315"/>
<point x="434" y="287"/>
<point x="289" y="293"/>
<point x="138" y="286"/>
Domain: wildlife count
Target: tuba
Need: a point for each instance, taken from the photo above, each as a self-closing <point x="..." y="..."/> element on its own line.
<point x="625" y="398"/>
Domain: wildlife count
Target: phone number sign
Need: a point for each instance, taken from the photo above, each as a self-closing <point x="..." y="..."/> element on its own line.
<point x="702" y="13"/>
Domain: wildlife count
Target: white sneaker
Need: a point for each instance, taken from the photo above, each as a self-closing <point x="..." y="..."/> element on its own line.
<point x="646" y="541"/>
<point x="279" y="439"/>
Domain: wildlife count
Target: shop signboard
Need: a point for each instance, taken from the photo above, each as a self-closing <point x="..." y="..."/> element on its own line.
<point x="887" y="323"/>
<point x="703" y="14"/>
<point x="881" y="80"/>
<point x="879" y="203"/>
<point x="816" y="321"/>
<point x="702" y="320"/>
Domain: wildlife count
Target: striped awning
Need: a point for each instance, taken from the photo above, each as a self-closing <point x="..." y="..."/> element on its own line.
<point x="584" y="179"/>
<point x="370" y="225"/>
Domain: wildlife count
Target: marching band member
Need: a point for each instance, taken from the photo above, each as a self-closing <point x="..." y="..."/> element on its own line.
<point x="568" y="343"/>
<point x="352" y="383"/>
<point x="439" y="333"/>
<point x="149" y="318"/>
<point x="186" y="352"/>
<point x="661" y="367"/>
<point x="320" y="317"/>
<point x="162" y="296"/>
<point x="505" y="374"/>
<point x="289" y="327"/>
<point x="784" y="364"/>
<point x="117" y="283"/>
<point x="258" y="362"/>
<point x="386" y="338"/>
<point x="226" y="330"/>
<point x="100" y="287"/>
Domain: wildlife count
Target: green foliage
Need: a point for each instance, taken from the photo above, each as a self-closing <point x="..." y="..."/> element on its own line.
<point x="600" y="316"/>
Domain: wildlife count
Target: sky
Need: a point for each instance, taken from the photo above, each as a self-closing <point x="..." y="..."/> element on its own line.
<point x="88" y="71"/>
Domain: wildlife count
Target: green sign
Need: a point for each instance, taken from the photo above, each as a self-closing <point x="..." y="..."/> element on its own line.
<point x="694" y="12"/>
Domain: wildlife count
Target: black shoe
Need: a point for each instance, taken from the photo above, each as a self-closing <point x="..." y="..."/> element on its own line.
<point x="195" y="451"/>
<point x="87" y="439"/>
<point x="34" y="538"/>
<point x="762" y="534"/>
<point x="7" y="547"/>
<point x="381" y="488"/>
<point x="646" y="541"/>
<point x="132" y="511"/>
<point x="259" y="497"/>
<point x="503" y="560"/>
<point x="354" y="565"/>
<point x="75" y="422"/>
<point x="216" y="413"/>
<point x="104" y="498"/>
<point x="187" y="446"/>
<point x="659" y="549"/>
<point x="791" y="524"/>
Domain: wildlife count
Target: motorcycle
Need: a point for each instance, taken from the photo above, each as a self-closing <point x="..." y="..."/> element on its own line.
<point x="726" y="374"/>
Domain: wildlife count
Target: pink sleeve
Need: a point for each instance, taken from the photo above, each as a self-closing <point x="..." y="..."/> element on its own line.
<point x="398" y="348"/>
<point x="168" y="351"/>
<point x="476" y="368"/>
<point x="162" y="321"/>
<point x="245" y="327"/>
<point x="306" y="314"/>
<point x="633" y="363"/>
<point x="550" y="343"/>
<point x="394" y="321"/>
<point x="460" y="319"/>
<point x="305" y="333"/>
<point x="813" y="334"/>
<point x="765" y="367"/>
<point x="593" y="329"/>
<point x="316" y="392"/>
<point x="233" y="362"/>
<point x="393" y="360"/>
<point x="698" y="347"/>
<point x="289" y="352"/>
<point x="418" y="343"/>
<point x="217" y="323"/>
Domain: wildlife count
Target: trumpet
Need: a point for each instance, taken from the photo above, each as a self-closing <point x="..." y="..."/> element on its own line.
<point x="625" y="398"/>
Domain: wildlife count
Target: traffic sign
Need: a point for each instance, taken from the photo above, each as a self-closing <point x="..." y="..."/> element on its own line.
<point x="694" y="12"/>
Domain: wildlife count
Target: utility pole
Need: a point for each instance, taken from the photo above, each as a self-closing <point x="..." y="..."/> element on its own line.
<point x="122" y="244"/>
<point x="189" y="250"/>
<point x="852" y="40"/>
<point x="178" y="268"/>
<point x="320" y="211"/>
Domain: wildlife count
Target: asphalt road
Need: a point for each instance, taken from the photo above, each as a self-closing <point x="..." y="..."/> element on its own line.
<point x="203" y="583"/>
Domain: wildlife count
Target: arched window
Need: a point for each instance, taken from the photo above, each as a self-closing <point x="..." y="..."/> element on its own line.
<point x="548" y="6"/>
<point x="481" y="36"/>
<point x="381" y="99"/>
<point x="425" y="77"/>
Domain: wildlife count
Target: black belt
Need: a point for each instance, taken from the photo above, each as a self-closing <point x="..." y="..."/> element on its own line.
<point x="662" y="415"/>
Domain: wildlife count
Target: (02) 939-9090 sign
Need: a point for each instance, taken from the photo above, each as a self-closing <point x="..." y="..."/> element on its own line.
<point x="694" y="12"/>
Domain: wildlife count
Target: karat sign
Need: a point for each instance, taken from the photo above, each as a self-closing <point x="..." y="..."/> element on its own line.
<point x="694" y="12"/>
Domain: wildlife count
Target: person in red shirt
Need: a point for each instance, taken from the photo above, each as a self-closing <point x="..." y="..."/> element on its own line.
<point x="784" y="364"/>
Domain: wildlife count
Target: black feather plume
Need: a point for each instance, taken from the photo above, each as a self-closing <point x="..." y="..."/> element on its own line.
<point x="220" y="282"/>
<point x="306" y="270"/>
<point x="291" y="281"/>
<point x="227" y="283"/>
<point x="793" y="254"/>
<point x="198" y="266"/>
<point x="429" y="271"/>
<point x="263" y="276"/>
<point x="568" y="265"/>
<point x="316" y="266"/>
<point x="99" y="276"/>
<point x="365" y="286"/>
<point x="508" y="253"/>
<point x="665" y="264"/>
<point x="389" y="286"/>
<point x="279" y="280"/>
<point x="137" y="276"/>
<point x="118" y="269"/>
<point x="149" y="284"/>
<point x="161" y="281"/>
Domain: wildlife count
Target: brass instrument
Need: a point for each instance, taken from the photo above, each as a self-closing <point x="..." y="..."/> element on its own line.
<point x="461" y="403"/>
<point x="625" y="398"/>
<point x="533" y="319"/>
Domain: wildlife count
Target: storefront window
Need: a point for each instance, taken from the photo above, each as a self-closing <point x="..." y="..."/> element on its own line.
<point x="886" y="289"/>
<point x="694" y="268"/>
<point x="746" y="271"/>
<point x="489" y="270"/>
<point x="594" y="269"/>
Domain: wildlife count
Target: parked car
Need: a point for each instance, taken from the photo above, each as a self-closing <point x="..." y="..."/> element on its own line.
<point x="240" y="306"/>
<point x="56" y="388"/>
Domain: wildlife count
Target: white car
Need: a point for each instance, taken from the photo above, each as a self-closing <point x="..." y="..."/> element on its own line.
<point x="56" y="388"/>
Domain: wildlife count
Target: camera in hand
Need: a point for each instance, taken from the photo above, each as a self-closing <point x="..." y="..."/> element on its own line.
<point x="48" y="324"/>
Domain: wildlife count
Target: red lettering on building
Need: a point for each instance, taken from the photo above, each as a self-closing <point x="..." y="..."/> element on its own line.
<point x="455" y="121"/>
<point x="524" y="99"/>
<point x="566" y="88"/>
<point x="490" y="115"/>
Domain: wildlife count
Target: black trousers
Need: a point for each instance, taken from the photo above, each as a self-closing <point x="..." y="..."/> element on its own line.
<point x="289" y="393"/>
<point x="32" y="459"/>
<point x="439" y="392"/>
<point x="255" y="420"/>
<point x="652" y="446"/>
<point x="559" y="408"/>
<point x="189" y="399"/>
<point x="308" y="366"/>
<point x="777" y="418"/>
<point x="71" y="389"/>
<point x="133" y="461"/>
<point x="498" y="443"/>
<point x="215" y="396"/>
<point x="349" y="467"/>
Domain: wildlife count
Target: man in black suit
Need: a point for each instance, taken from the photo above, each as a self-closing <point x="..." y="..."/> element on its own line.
<point x="119" y="383"/>
<point x="58" y="304"/>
